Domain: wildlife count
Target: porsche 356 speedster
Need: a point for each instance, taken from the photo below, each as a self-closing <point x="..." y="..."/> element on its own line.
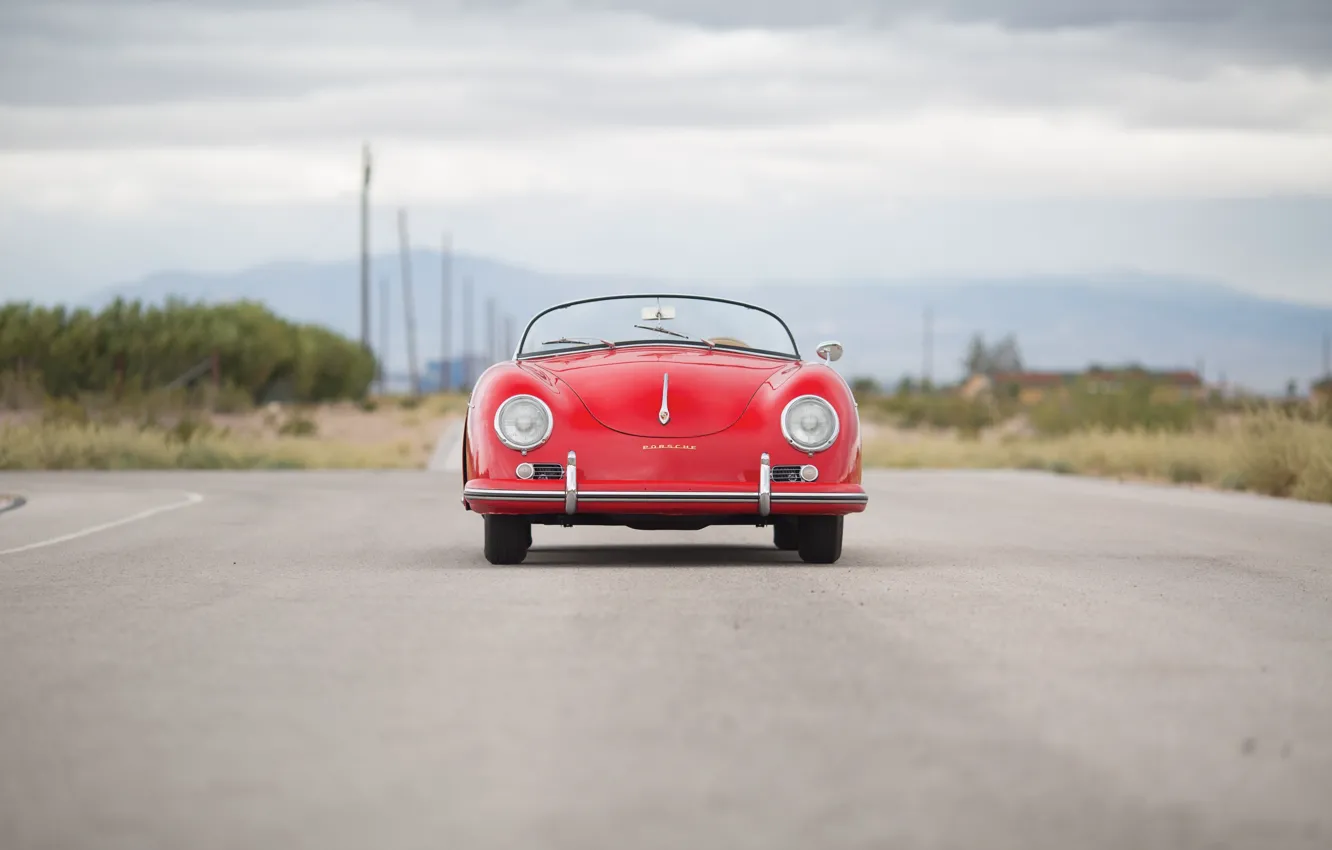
<point x="662" y="412"/>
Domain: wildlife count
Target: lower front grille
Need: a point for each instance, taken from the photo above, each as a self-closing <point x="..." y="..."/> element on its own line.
<point x="547" y="472"/>
<point x="786" y="475"/>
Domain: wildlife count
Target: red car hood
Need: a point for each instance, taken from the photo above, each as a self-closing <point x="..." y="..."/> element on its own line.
<point x="707" y="390"/>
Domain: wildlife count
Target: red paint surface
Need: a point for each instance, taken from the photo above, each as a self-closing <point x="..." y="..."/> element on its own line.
<point x="725" y="412"/>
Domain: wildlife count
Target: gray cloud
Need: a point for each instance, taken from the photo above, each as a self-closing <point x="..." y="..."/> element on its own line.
<point x="201" y="73"/>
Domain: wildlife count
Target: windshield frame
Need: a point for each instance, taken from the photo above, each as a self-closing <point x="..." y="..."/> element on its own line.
<point x="793" y="355"/>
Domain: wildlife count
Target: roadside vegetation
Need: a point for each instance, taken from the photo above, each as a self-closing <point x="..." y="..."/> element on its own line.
<point x="187" y="430"/>
<point x="205" y="425"/>
<point x="1273" y="448"/>
<point x="192" y="386"/>
<point x="1126" y="422"/>
<point x="127" y="351"/>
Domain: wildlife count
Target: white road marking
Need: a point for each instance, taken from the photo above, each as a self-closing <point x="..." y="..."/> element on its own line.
<point x="448" y="451"/>
<point x="190" y="499"/>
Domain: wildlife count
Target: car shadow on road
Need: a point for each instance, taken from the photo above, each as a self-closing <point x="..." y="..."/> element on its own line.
<point x="660" y="555"/>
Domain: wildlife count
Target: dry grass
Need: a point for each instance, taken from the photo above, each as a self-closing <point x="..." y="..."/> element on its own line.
<point x="1268" y="452"/>
<point x="340" y="436"/>
<point x="121" y="446"/>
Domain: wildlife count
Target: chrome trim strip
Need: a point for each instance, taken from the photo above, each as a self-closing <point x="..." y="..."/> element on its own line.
<point x="664" y="497"/>
<point x="513" y="495"/>
<point x="665" y="413"/>
<point x="821" y="498"/>
<point x="571" y="484"/>
<point x="765" y="486"/>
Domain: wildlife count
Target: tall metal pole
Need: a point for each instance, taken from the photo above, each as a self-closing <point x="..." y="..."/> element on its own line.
<point x="407" y="306"/>
<point x="384" y="295"/>
<point x="365" y="246"/>
<point x="467" y="333"/>
<point x="490" y="330"/>
<point x="928" y="365"/>
<point x="446" y="317"/>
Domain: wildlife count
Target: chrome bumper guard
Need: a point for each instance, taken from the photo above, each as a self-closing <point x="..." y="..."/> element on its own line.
<point x="571" y="496"/>
<point x="571" y="485"/>
<point x="765" y="486"/>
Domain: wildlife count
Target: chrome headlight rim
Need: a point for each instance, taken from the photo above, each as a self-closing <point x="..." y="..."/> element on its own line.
<point x="832" y="411"/>
<point x="545" y="408"/>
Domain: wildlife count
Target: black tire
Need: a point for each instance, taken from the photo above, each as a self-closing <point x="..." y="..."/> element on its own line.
<point x="820" y="539"/>
<point x="786" y="535"/>
<point x="507" y="538"/>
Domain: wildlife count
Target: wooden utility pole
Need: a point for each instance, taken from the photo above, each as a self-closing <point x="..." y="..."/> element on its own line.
<point x="1327" y="355"/>
<point x="409" y="310"/>
<point x="927" y="367"/>
<point x="365" y="246"/>
<point x="491" y="344"/>
<point x="385" y="293"/>
<point x="446" y="317"/>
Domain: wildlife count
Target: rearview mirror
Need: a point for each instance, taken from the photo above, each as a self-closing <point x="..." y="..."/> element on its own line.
<point x="830" y="351"/>
<point x="658" y="313"/>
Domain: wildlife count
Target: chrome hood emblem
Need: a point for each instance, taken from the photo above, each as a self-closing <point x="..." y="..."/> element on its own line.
<point x="665" y="413"/>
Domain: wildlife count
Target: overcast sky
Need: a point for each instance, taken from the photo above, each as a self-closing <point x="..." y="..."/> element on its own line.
<point x="694" y="139"/>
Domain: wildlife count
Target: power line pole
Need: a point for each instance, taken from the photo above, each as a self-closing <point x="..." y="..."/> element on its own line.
<point x="408" y="308"/>
<point x="1327" y="355"/>
<point x="365" y="246"/>
<point x="384" y="294"/>
<point x="491" y="344"/>
<point x="467" y="332"/>
<point x="509" y="341"/>
<point x="927" y="369"/>
<point x="446" y="317"/>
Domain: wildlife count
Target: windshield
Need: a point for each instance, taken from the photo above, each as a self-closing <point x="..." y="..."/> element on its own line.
<point x="659" y="319"/>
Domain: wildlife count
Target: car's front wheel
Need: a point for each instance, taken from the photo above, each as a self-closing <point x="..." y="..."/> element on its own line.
<point x="507" y="538"/>
<point x="785" y="535"/>
<point x="820" y="539"/>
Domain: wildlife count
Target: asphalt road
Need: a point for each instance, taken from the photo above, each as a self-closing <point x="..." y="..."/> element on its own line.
<point x="325" y="660"/>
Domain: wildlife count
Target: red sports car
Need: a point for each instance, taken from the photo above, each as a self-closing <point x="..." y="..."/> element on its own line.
<point x="662" y="412"/>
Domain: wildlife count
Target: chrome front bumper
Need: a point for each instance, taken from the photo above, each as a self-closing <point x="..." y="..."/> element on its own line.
<point x="799" y="498"/>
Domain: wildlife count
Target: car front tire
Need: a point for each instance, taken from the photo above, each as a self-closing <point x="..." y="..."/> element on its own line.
<point x="507" y="538"/>
<point x="820" y="539"/>
<point x="786" y="535"/>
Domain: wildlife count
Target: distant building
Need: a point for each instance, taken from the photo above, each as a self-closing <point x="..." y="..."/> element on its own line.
<point x="1034" y="387"/>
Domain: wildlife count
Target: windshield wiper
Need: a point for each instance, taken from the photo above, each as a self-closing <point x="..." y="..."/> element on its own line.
<point x="576" y="340"/>
<point x="661" y="330"/>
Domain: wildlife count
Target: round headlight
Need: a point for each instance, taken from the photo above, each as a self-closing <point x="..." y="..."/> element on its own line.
<point x="523" y="422"/>
<point x="809" y="423"/>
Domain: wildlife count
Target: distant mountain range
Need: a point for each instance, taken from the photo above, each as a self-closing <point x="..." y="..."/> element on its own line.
<point x="1060" y="322"/>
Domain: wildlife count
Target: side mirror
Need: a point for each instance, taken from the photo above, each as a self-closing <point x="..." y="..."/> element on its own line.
<point x="830" y="351"/>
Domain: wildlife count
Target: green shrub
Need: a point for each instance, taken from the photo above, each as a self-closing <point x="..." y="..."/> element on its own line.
<point x="298" y="425"/>
<point x="128" y="349"/>
<point x="63" y="411"/>
<point x="187" y="429"/>
<point x="938" y="411"/>
<point x="1131" y="408"/>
